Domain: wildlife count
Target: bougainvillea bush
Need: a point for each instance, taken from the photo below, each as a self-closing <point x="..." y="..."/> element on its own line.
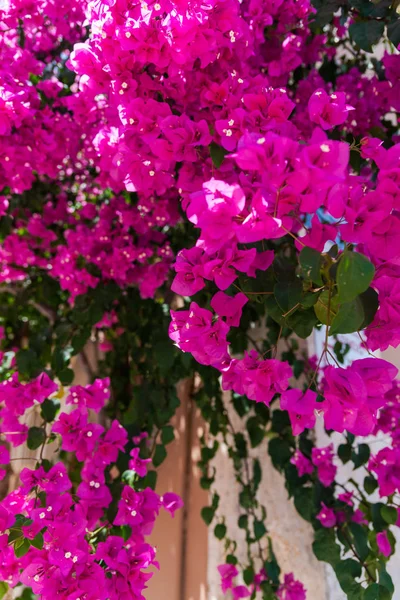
<point x="173" y="175"/>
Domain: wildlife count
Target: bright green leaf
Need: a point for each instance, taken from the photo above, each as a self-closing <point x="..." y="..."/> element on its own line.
<point x="354" y="275"/>
<point x="389" y="514"/>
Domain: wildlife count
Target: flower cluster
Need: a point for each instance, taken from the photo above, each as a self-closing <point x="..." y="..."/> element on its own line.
<point x="56" y="533"/>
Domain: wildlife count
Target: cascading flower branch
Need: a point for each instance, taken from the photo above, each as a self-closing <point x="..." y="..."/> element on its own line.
<point x="60" y="537"/>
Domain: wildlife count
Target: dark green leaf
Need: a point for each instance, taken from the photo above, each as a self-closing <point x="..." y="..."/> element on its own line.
<point x="164" y="355"/>
<point x="36" y="437"/>
<point x="207" y="514"/>
<point x="344" y="453"/>
<point x="370" y="484"/>
<point x="348" y="319"/>
<point x="389" y="514"/>
<point x="167" y="434"/>
<point x="160" y="455"/>
<point x="325" y="547"/>
<point x="366" y="33"/>
<point x="393" y="31"/>
<point x="248" y="575"/>
<point x="303" y="322"/>
<point x="259" y="530"/>
<point x="311" y="263"/>
<point x="220" y="531"/>
<point x="49" y="408"/>
<point x="243" y="521"/>
<point x="288" y="294"/>
<point x="256" y="433"/>
<point x="66" y="376"/>
<point x="28" y="363"/>
<point x="377" y="592"/>
<point x="257" y="474"/>
<point x="354" y="275"/>
<point x="360" y="535"/>
<point x="217" y="154"/>
<point x="346" y="572"/>
<point x="150" y="480"/>
<point x="304" y="503"/>
<point x="280" y="452"/>
<point x="370" y="305"/>
<point x="362" y="455"/>
<point x="385" y="579"/>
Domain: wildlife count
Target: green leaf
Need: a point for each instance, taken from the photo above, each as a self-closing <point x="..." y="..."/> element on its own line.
<point x="389" y="514"/>
<point x="22" y="548"/>
<point x="217" y="154"/>
<point x="248" y="575"/>
<point x="366" y="33"/>
<point x="393" y="32"/>
<point x="273" y="570"/>
<point x="344" y="453"/>
<point x="243" y="521"/>
<point x="49" y="408"/>
<point x="207" y="514"/>
<point x="384" y="578"/>
<point x="167" y="434"/>
<point x="360" y="535"/>
<point x="303" y="322"/>
<point x="14" y="534"/>
<point x="28" y="363"/>
<point x="311" y="263"/>
<point x="3" y="589"/>
<point x="220" y="531"/>
<point x="322" y="305"/>
<point x="38" y="541"/>
<point x="377" y="592"/>
<point x="280" y="452"/>
<point x="361" y="457"/>
<point x="325" y="547"/>
<point x="164" y="354"/>
<point x="304" y="502"/>
<point x="36" y="437"/>
<point x="348" y="319"/>
<point x="160" y="455"/>
<point x="370" y="305"/>
<point x="378" y="522"/>
<point x="354" y="275"/>
<point x="257" y="474"/>
<point x="259" y="529"/>
<point x="256" y="433"/>
<point x="66" y="376"/>
<point x="288" y="294"/>
<point x="370" y="484"/>
<point x="346" y="572"/>
<point x="150" y="480"/>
